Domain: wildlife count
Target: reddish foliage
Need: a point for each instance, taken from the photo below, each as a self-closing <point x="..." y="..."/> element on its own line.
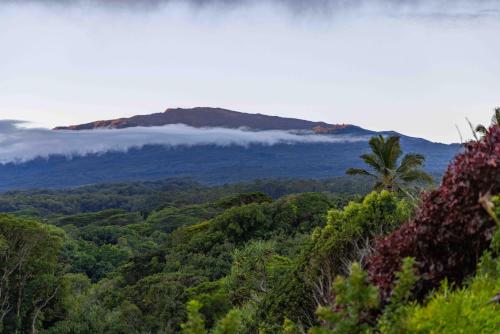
<point x="451" y="230"/>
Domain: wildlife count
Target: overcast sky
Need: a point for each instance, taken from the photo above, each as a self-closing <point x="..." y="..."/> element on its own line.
<point x="417" y="67"/>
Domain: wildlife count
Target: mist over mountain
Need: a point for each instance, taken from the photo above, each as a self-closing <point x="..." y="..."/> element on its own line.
<point x="210" y="145"/>
<point x="18" y="144"/>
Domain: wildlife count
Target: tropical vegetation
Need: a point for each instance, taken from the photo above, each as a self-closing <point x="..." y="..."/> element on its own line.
<point x="389" y="170"/>
<point x="271" y="256"/>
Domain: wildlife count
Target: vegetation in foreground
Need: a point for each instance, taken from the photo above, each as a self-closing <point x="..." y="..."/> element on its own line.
<point x="192" y="260"/>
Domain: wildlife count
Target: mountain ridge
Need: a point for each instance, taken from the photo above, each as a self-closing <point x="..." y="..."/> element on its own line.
<point x="216" y="117"/>
<point x="211" y="163"/>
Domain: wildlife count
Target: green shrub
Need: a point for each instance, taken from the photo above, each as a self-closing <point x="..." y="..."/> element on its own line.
<point x="232" y="323"/>
<point x="355" y="298"/>
<point x="254" y="271"/>
<point x="393" y="319"/>
<point x="327" y="254"/>
<point x="195" y="323"/>
<point x="467" y="310"/>
<point x="347" y="236"/>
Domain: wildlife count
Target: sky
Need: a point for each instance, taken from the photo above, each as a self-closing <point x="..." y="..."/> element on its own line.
<point x="417" y="67"/>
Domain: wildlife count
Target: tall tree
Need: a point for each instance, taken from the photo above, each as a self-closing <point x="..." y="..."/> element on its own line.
<point x="388" y="169"/>
<point x="495" y="120"/>
<point x="30" y="272"/>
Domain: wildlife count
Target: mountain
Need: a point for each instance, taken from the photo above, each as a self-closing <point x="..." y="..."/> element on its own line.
<point x="215" y="117"/>
<point x="210" y="163"/>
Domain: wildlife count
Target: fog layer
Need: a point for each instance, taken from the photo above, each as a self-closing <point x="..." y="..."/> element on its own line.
<point x="19" y="144"/>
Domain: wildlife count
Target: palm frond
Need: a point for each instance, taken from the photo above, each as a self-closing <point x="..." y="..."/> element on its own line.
<point x="410" y="161"/>
<point x="496" y="117"/>
<point x="378" y="186"/>
<point x="392" y="152"/>
<point x="481" y="129"/>
<point x="474" y="132"/>
<point x="359" y="171"/>
<point x="373" y="161"/>
<point x="416" y="175"/>
<point x="377" y="145"/>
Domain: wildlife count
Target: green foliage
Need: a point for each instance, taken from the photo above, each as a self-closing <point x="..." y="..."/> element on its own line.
<point x="146" y="197"/>
<point x="393" y="319"/>
<point x="146" y="289"/>
<point x="346" y="238"/>
<point x="289" y="327"/>
<point x="290" y="299"/>
<point x="242" y="199"/>
<point x="195" y="323"/>
<point x="379" y="210"/>
<point x="304" y="212"/>
<point x="466" y="310"/>
<point x="242" y="223"/>
<point x="307" y="283"/>
<point x="355" y="298"/>
<point x="170" y="218"/>
<point x="254" y="271"/>
<point x="469" y="309"/>
<point x="259" y="257"/>
<point x="232" y="323"/>
<point x="31" y="270"/>
<point x="241" y="257"/>
<point x="117" y="217"/>
<point x="215" y="300"/>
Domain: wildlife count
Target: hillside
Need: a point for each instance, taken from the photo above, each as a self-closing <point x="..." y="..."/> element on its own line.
<point x="215" y="117"/>
<point x="209" y="164"/>
<point x="208" y="161"/>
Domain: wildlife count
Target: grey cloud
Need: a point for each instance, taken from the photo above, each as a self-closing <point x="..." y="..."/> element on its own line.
<point x="428" y="8"/>
<point x="18" y="144"/>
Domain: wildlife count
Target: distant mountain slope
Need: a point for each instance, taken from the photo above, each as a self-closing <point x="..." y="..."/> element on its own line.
<point x="216" y="117"/>
<point x="209" y="164"/>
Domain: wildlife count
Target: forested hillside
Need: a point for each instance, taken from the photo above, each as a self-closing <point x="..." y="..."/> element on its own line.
<point x="270" y="256"/>
<point x="210" y="163"/>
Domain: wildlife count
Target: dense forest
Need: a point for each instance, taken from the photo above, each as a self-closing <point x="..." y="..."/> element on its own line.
<point x="357" y="254"/>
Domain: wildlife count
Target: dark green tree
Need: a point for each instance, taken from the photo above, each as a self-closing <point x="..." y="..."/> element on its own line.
<point x="30" y="272"/>
<point x="388" y="169"/>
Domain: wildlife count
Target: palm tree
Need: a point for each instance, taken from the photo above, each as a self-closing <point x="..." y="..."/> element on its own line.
<point x="388" y="170"/>
<point x="495" y="120"/>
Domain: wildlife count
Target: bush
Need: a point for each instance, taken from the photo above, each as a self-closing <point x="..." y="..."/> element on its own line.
<point x="462" y="311"/>
<point x="255" y="270"/>
<point x="354" y="301"/>
<point x="327" y="254"/>
<point x="195" y="323"/>
<point x="472" y="308"/>
<point x="451" y="230"/>
<point x="347" y="236"/>
<point x="243" y="222"/>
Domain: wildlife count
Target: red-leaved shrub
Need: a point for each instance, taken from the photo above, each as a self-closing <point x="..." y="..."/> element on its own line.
<point x="451" y="229"/>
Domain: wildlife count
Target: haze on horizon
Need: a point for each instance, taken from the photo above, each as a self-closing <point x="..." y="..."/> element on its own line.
<point x="415" y="67"/>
